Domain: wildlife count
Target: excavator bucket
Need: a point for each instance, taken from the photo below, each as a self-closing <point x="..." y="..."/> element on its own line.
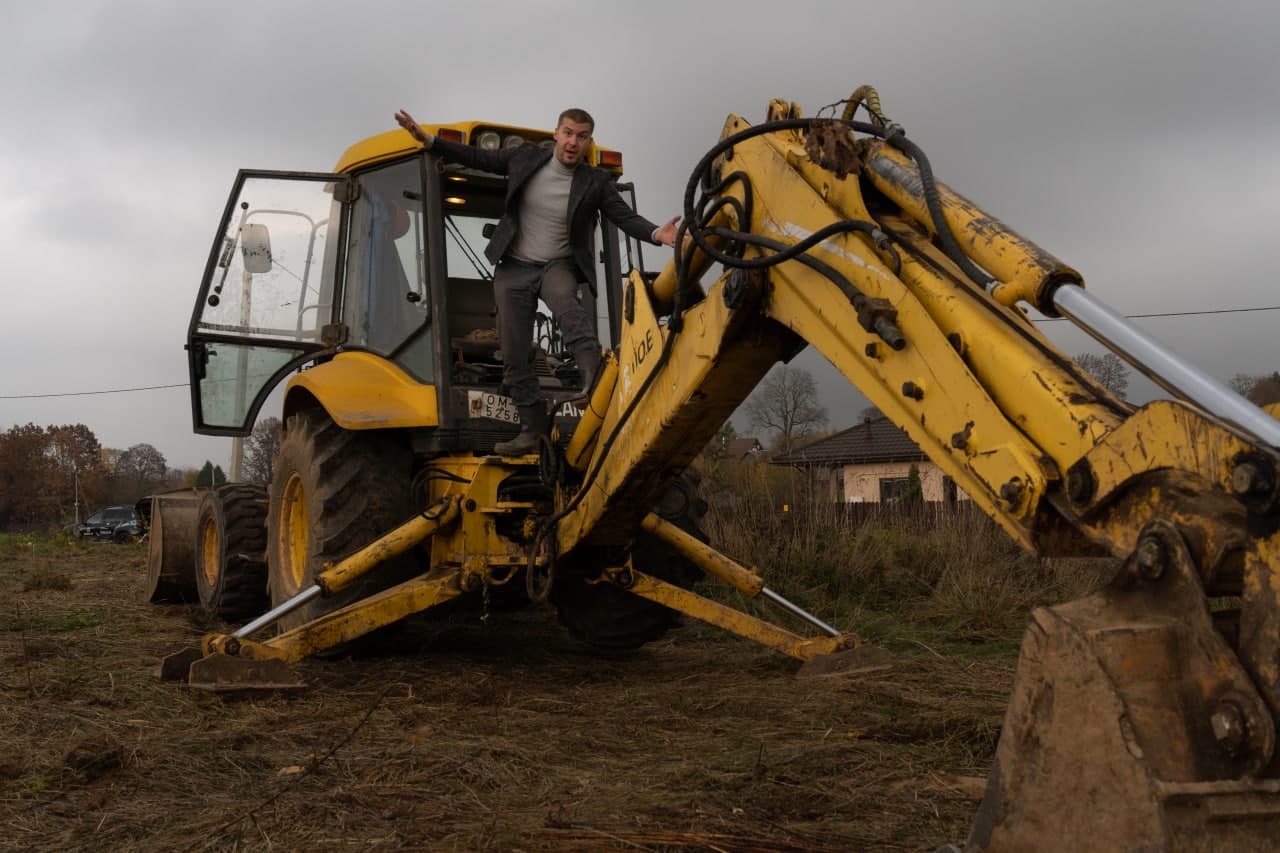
<point x="1131" y="727"/>
<point x="171" y="572"/>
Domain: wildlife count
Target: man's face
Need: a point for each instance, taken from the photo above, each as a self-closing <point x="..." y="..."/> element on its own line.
<point x="572" y="141"/>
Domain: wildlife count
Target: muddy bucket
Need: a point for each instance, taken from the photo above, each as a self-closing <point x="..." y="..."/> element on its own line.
<point x="171" y="572"/>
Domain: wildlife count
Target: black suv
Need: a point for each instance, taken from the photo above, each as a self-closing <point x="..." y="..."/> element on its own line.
<point x="115" y="523"/>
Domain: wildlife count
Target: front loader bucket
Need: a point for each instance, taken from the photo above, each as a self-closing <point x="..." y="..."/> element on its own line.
<point x="171" y="566"/>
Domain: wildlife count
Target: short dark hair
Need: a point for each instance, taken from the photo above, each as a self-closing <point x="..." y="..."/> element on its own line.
<point x="575" y="114"/>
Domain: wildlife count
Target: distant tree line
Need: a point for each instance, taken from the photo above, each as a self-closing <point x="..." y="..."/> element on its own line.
<point x="48" y="473"/>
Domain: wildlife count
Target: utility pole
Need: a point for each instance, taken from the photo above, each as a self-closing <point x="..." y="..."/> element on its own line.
<point x="75" y="473"/>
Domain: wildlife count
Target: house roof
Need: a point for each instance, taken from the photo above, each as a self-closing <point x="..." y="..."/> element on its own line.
<point x="876" y="439"/>
<point x="740" y="448"/>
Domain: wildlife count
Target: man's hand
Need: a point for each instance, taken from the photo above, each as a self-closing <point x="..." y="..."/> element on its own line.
<point x="407" y="122"/>
<point x="666" y="235"/>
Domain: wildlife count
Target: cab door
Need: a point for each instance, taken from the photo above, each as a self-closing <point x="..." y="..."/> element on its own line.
<point x="270" y="298"/>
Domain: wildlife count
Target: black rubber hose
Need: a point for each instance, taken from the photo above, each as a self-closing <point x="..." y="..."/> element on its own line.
<point x="705" y="164"/>
<point x="892" y="134"/>
<point x="884" y="327"/>
<point x="933" y="201"/>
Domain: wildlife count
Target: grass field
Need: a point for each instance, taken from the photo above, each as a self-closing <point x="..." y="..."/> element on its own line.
<point x="503" y="737"/>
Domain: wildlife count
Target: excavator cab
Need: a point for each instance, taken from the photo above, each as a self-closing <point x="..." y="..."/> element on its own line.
<point x="381" y="265"/>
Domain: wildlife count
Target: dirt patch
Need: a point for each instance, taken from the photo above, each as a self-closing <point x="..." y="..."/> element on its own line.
<point x="508" y="737"/>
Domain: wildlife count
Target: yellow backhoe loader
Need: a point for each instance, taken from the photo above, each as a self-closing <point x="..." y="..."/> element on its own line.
<point x="1141" y="718"/>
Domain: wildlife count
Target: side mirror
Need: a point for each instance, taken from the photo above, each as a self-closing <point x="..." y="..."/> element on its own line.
<point x="255" y="245"/>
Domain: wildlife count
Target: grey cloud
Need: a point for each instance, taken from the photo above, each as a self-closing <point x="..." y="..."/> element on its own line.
<point x="1132" y="139"/>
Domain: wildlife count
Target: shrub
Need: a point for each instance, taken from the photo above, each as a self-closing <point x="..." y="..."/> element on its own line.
<point x="945" y="563"/>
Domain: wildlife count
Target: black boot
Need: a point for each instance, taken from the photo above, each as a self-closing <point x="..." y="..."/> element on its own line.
<point x="533" y="425"/>
<point x="588" y="360"/>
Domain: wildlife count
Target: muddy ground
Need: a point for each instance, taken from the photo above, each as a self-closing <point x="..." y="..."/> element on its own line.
<point x="508" y="737"/>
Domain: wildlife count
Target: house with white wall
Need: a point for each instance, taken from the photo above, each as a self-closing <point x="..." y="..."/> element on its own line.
<point x="871" y="463"/>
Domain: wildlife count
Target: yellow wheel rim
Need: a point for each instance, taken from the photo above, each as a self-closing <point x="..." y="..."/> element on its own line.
<point x="294" y="532"/>
<point x="209" y="552"/>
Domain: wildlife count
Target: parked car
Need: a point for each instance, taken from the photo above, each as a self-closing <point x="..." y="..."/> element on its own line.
<point x="113" y="523"/>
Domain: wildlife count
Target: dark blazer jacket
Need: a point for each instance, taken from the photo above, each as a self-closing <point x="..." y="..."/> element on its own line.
<point x="591" y="192"/>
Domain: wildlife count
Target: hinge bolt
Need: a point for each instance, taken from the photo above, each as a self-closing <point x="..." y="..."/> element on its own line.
<point x="1080" y="483"/>
<point x="1247" y="479"/>
<point x="1228" y="727"/>
<point x="1149" y="557"/>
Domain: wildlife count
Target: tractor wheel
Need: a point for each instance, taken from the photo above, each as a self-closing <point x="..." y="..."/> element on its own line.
<point x="231" y="538"/>
<point x="334" y="491"/>
<point x="610" y="619"/>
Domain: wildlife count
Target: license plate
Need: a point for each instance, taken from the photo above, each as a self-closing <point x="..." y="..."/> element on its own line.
<point x="483" y="404"/>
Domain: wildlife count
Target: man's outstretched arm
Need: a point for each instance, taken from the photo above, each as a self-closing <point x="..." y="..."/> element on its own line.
<point x="415" y="130"/>
<point x="496" y="162"/>
<point x="620" y="214"/>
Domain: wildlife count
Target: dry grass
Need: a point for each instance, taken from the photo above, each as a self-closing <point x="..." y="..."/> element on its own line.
<point x="952" y="572"/>
<point x="470" y="738"/>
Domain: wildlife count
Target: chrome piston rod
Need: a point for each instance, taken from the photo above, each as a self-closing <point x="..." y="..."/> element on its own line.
<point x="1172" y="373"/>
<point x="305" y="597"/>
<point x="799" y="611"/>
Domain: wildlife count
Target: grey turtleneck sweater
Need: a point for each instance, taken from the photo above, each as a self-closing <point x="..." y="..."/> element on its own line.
<point x="543" y="234"/>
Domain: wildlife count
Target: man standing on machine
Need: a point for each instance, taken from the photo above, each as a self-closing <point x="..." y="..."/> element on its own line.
<point x="541" y="249"/>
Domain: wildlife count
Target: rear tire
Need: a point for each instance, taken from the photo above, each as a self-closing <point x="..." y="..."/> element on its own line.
<point x="230" y="558"/>
<point x="612" y="620"/>
<point x="333" y="492"/>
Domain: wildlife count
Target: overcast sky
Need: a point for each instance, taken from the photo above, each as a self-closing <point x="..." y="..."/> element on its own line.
<point x="1138" y="141"/>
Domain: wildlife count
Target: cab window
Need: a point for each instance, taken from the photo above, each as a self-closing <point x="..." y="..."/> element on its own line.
<point x="386" y="305"/>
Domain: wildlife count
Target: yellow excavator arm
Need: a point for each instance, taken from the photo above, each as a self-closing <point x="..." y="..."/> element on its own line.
<point x="1142" y="718"/>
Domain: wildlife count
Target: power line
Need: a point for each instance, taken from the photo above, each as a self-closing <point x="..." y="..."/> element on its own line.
<point x="1040" y="320"/>
<point x="1181" y="313"/>
<point x="88" y="393"/>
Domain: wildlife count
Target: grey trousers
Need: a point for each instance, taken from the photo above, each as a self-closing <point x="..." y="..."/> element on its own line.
<point x="517" y="285"/>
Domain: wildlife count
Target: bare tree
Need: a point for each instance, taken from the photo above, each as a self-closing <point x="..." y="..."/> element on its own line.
<point x="142" y="468"/>
<point x="1266" y="391"/>
<point x="1259" y="390"/>
<point x="264" y="443"/>
<point x="1242" y="383"/>
<point x="1108" y="369"/>
<point x="787" y="403"/>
